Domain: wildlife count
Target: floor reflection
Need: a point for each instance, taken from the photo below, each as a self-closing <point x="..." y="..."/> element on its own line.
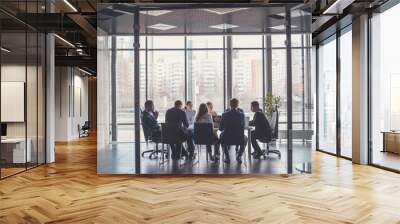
<point x="119" y="159"/>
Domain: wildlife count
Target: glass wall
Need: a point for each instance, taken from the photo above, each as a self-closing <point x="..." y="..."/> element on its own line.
<point x="209" y="67"/>
<point x="247" y="71"/>
<point x="22" y="93"/>
<point x="166" y="78"/>
<point x="385" y="89"/>
<point x="205" y="67"/>
<point x="346" y="95"/>
<point x="327" y="95"/>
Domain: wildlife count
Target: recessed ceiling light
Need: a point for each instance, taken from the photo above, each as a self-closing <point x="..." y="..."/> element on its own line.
<point x="5" y="50"/>
<point x="223" y="11"/>
<point x="161" y="26"/>
<point x="295" y="13"/>
<point x="282" y="27"/>
<point x="224" y="26"/>
<point x="155" y="12"/>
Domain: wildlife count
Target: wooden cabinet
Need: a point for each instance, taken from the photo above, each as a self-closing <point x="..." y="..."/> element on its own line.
<point x="391" y="142"/>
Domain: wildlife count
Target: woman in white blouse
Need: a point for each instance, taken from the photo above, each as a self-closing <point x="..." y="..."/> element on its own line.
<point x="204" y="117"/>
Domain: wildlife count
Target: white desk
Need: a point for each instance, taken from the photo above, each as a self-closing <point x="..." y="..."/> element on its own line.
<point x="17" y="146"/>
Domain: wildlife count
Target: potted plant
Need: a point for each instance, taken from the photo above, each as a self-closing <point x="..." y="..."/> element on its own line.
<point x="272" y="103"/>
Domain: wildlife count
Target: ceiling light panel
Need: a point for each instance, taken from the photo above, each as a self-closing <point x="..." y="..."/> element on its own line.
<point x="282" y="27"/>
<point x="161" y="26"/>
<point x="223" y="11"/>
<point x="155" y="12"/>
<point x="224" y="26"/>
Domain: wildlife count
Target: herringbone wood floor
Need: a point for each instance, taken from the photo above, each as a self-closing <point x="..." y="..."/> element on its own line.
<point x="69" y="191"/>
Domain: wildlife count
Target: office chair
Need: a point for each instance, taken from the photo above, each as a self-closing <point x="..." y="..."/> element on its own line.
<point x="271" y="135"/>
<point x="170" y="135"/>
<point x="233" y="139"/>
<point x="84" y="129"/>
<point x="203" y="135"/>
<point x="149" y="137"/>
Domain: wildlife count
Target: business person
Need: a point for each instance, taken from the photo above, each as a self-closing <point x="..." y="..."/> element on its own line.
<point x="204" y="117"/>
<point x="190" y="113"/>
<point x="231" y="127"/>
<point x="176" y="116"/>
<point x="262" y="129"/>
<point x="149" y="121"/>
<point x="210" y="108"/>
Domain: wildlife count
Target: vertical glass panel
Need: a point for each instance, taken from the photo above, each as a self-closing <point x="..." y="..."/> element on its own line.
<point x="302" y="104"/>
<point x="125" y="93"/>
<point x="247" y="78"/>
<point x="206" y="78"/>
<point x="385" y="89"/>
<point x="327" y="96"/>
<point x="32" y="99"/>
<point x="247" y="41"/>
<point x="346" y="94"/>
<point x="279" y="83"/>
<point x="14" y="154"/>
<point x="205" y="42"/>
<point x="165" y="42"/>
<point x="166" y="79"/>
<point x="41" y="100"/>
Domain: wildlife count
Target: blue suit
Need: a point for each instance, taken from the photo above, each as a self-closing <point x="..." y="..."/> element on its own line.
<point x="151" y="128"/>
<point x="232" y="130"/>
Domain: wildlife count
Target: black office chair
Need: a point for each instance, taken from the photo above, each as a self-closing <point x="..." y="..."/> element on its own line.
<point x="270" y="136"/>
<point x="170" y="135"/>
<point x="150" y="136"/>
<point x="203" y="135"/>
<point x="84" y="129"/>
<point x="234" y="138"/>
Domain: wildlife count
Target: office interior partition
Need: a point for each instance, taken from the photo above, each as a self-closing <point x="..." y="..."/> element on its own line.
<point x="22" y="77"/>
<point x="384" y="88"/>
<point x="202" y="52"/>
<point x="334" y="93"/>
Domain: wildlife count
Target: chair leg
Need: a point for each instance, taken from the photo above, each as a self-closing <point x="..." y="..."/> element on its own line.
<point x="274" y="151"/>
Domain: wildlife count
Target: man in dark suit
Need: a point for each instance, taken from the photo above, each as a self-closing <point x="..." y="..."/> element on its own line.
<point x="149" y="121"/>
<point x="176" y="116"/>
<point x="232" y="130"/>
<point x="262" y="129"/>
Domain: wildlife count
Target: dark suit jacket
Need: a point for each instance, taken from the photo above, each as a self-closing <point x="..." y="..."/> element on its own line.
<point x="263" y="130"/>
<point x="151" y="128"/>
<point x="176" y="116"/>
<point x="231" y="127"/>
<point x="149" y="121"/>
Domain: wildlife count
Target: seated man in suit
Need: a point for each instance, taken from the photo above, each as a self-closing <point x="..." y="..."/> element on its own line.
<point x="149" y="121"/>
<point x="177" y="116"/>
<point x="232" y="130"/>
<point x="262" y="129"/>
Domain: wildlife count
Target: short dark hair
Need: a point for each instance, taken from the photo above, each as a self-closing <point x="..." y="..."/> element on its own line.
<point x="148" y="104"/>
<point x="255" y="104"/>
<point x="178" y="103"/>
<point x="188" y="102"/>
<point x="209" y="103"/>
<point x="234" y="103"/>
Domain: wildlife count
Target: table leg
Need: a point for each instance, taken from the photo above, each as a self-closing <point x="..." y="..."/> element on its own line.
<point x="249" y="143"/>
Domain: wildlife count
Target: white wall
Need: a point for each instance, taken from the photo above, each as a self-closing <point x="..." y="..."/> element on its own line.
<point x="71" y="102"/>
